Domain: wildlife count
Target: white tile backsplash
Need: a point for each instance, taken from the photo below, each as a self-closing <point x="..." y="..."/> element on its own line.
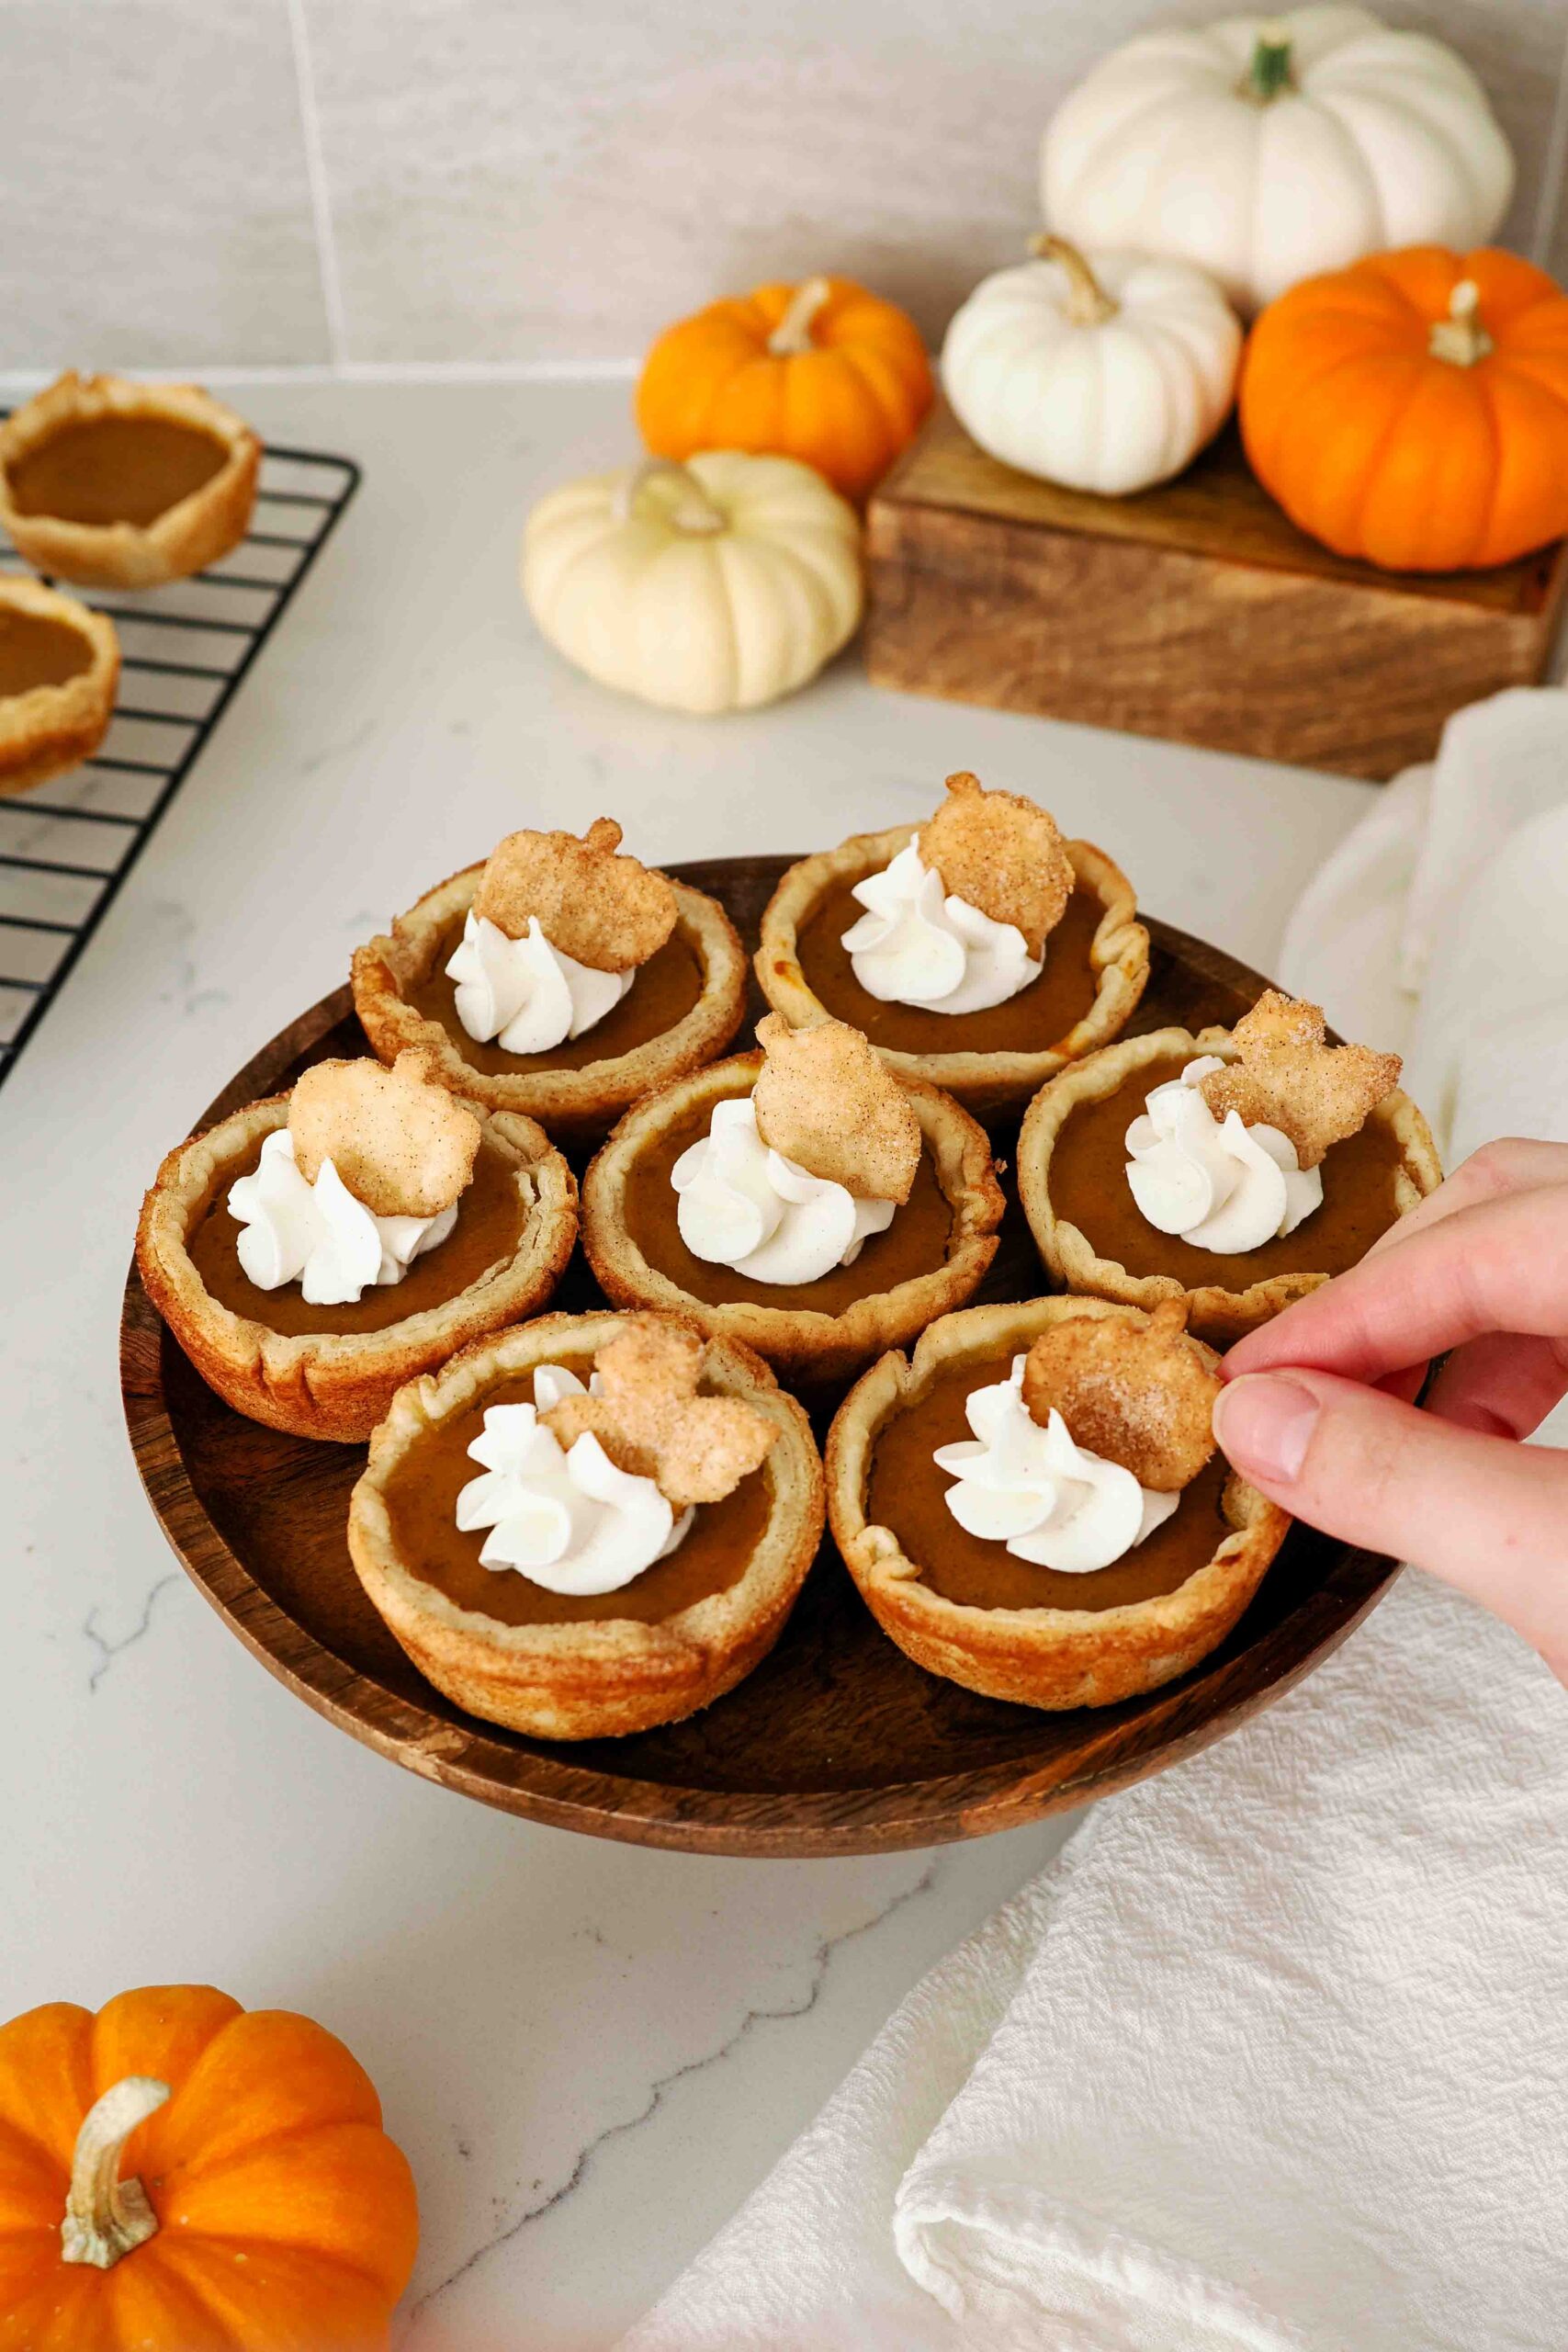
<point x="156" y="210"/>
<point x="537" y="181"/>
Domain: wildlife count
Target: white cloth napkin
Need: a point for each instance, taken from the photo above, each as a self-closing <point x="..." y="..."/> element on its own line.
<point x="1274" y="2055"/>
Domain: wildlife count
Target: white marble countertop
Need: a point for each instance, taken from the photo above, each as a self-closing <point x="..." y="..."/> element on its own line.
<point x="589" y="2053"/>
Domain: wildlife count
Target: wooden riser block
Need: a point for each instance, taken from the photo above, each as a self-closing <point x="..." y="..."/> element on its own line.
<point x="1196" y="611"/>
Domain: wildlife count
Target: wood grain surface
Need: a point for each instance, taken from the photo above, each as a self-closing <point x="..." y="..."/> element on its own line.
<point x="1195" y="611"/>
<point x="837" y="1744"/>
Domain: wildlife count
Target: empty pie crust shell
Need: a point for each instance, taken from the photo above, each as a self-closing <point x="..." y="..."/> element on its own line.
<point x="47" y="731"/>
<point x="600" y="1678"/>
<point x="578" y="1104"/>
<point x="1214" y="1313"/>
<point x="1119" y="955"/>
<point x="1051" y="1658"/>
<point x="801" y="1343"/>
<point x="184" y="537"/>
<point x="337" y="1385"/>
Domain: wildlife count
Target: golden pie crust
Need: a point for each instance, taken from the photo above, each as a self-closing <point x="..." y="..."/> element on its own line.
<point x="337" y="1385"/>
<point x="49" y="730"/>
<point x="801" y="1343"/>
<point x="982" y="1082"/>
<point x="184" y="537"/>
<point x="1214" y="1313"/>
<point x="1037" y="1657"/>
<point x="578" y="1104"/>
<point x="596" y="1680"/>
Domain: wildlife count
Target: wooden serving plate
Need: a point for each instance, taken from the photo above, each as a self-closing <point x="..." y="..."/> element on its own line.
<point x="837" y="1744"/>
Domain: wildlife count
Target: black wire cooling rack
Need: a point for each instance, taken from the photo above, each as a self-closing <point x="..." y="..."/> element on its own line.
<point x="67" y="847"/>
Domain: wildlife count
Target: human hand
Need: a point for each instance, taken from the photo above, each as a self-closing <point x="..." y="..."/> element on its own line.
<point x="1318" y="1409"/>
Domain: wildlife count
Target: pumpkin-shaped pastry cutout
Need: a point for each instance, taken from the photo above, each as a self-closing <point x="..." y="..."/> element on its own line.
<point x="716" y="585"/>
<point x="177" y="2172"/>
<point x="1414" y="411"/>
<point x="823" y="372"/>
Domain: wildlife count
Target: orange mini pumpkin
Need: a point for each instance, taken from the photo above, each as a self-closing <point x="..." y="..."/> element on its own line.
<point x="824" y="372"/>
<point x="179" y="2175"/>
<point x="1413" y="410"/>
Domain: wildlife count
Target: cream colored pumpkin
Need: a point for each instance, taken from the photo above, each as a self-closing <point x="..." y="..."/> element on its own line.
<point x="1267" y="149"/>
<point x="1106" y="374"/>
<point x="715" y="585"/>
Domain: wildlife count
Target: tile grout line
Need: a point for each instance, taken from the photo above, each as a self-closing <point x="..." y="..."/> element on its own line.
<point x="1549" y="204"/>
<point x="320" y="192"/>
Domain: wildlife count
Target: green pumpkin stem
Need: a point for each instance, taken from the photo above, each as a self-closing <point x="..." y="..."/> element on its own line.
<point x="1269" y="75"/>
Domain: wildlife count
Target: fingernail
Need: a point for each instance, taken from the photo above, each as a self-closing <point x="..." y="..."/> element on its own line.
<point x="1264" y="1423"/>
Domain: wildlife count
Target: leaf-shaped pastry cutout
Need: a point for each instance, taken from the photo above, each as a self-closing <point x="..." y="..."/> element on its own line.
<point x="826" y="1100"/>
<point x="1003" y="854"/>
<point x="605" y="911"/>
<point x="652" y="1423"/>
<point x="1286" y="1076"/>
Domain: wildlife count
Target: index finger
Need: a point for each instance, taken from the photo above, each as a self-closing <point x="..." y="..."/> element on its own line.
<point x="1511" y="1164"/>
<point x="1500" y="1265"/>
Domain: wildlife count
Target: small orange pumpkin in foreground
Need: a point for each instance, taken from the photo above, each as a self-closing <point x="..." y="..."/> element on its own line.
<point x="824" y="372"/>
<point x="179" y="2175"/>
<point x="1413" y="410"/>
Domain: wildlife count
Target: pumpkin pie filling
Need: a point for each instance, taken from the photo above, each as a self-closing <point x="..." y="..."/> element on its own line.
<point x="1090" y="1189"/>
<point x="664" y="991"/>
<point x="421" y="1499"/>
<point x="106" y="469"/>
<point x="35" y="651"/>
<point x="907" y="1494"/>
<point x="915" y="1242"/>
<point x="1038" y="1017"/>
<point x="491" y="1216"/>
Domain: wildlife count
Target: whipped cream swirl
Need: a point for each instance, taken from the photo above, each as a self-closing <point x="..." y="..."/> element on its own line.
<point x="570" y="1521"/>
<point x="1221" y="1186"/>
<point x="746" y="1206"/>
<point x="1050" y="1502"/>
<point x="319" y="1235"/>
<point x="523" y="992"/>
<point x="918" y="947"/>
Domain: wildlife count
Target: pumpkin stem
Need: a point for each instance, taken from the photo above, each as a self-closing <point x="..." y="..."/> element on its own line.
<point x="793" y="334"/>
<point x="1269" y="75"/>
<point x="1461" y="337"/>
<point x="1088" y="304"/>
<point x="691" y="509"/>
<point x="106" y="2216"/>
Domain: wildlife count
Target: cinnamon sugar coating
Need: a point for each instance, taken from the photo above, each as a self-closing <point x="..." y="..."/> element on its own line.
<point x="402" y="1145"/>
<point x="609" y="912"/>
<point x="826" y="1100"/>
<point x="1002" y="853"/>
<point x="1142" y="1397"/>
<point x="1288" y="1078"/>
<point x="652" y="1423"/>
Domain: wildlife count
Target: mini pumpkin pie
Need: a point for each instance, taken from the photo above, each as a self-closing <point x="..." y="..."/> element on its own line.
<point x="1234" y="1170"/>
<point x="313" y="1251"/>
<point x="1033" y="1506"/>
<point x="589" y="1525"/>
<point x="979" y="950"/>
<point x="123" y="485"/>
<point x="59" y="668"/>
<point x="560" y="978"/>
<point x="805" y="1198"/>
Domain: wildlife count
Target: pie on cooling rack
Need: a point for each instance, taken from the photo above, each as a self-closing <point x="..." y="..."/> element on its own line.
<point x="313" y="1251"/>
<point x="979" y="950"/>
<point x="123" y="485"/>
<point x="1236" y="1169"/>
<point x="805" y="1198"/>
<point x="59" y="668"/>
<point x="561" y="979"/>
<point x="1033" y="1506"/>
<point x="590" y="1525"/>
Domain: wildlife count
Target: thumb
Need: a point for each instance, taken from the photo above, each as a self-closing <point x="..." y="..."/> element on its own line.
<point x="1484" y="1513"/>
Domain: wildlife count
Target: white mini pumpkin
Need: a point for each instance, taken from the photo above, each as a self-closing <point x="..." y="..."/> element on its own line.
<point x="1106" y="374"/>
<point x="715" y="585"/>
<point x="1269" y="148"/>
